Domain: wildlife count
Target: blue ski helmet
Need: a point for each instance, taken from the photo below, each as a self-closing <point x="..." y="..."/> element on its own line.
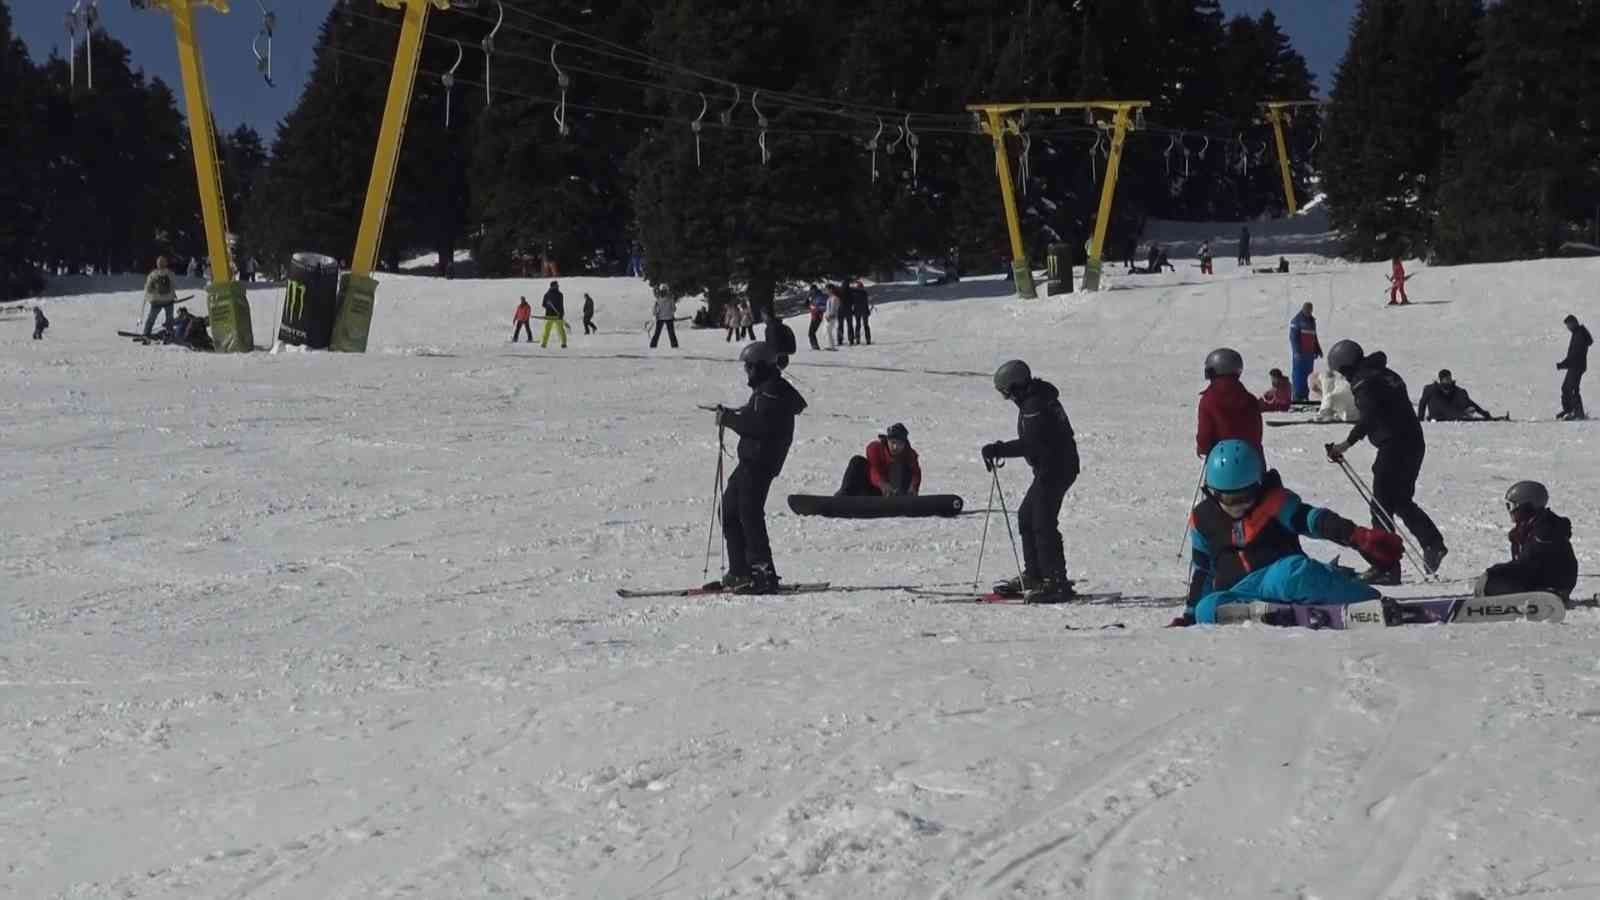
<point x="1233" y="465"/>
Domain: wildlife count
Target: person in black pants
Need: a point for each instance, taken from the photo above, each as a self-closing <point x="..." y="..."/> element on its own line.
<point x="40" y="323"/>
<point x="1576" y="363"/>
<point x="861" y="306"/>
<point x="765" y="426"/>
<point x="1541" y="548"/>
<point x="779" y="336"/>
<point x="588" y="315"/>
<point x="1046" y="441"/>
<point x="1389" y="421"/>
<point x="666" y="309"/>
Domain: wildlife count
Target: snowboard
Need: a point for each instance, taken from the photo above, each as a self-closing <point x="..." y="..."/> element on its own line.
<point x="799" y="587"/>
<point x="875" y="507"/>
<point x="1532" y="607"/>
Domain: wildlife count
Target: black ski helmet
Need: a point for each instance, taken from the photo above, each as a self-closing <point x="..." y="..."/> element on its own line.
<point x="1345" y="355"/>
<point x="898" y="432"/>
<point x="1526" y="495"/>
<point x="1223" y="361"/>
<point x="759" y="353"/>
<point x="1012" y="375"/>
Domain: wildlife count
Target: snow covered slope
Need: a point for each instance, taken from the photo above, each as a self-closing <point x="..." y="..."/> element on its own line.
<point x="332" y="626"/>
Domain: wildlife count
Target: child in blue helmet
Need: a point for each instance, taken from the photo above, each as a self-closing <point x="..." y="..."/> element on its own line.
<point x="1245" y="541"/>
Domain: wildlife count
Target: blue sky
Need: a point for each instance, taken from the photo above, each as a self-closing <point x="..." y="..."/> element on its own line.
<point x="1319" y="28"/>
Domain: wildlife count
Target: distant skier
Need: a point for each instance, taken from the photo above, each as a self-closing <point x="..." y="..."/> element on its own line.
<point x="1575" y="364"/>
<point x="888" y="469"/>
<point x="1227" y="408"/>
<point x="1244" y="541"/>
<point x="817" y="305"/>
<point x="1304" y="350"/>
<point x="1244" y="247"/>
<point x="765" y="426"/>
<point x="555" y="315"/>
<point x="521" y="318"/>
<point x="747" y="322"/>
<point x="1046" y="441"/>
<point x="666" y="311"/>
<point x="160" y="293"/>
<point x="861" y="304"/>
<point x="1446" y="401"/>
<point x="730" y="320"/>
<point x="779" y="335"/>
<point x="1205" y="258"/>
<point x="1541" y="548"/>
<point x="40" y="323"/>
<point x="1279" y="397"/>
<point x="1397" y="283"/>
<point x="834" y="312"/>
<point x="588" y="316"/>
<point x="1387" y="419"/>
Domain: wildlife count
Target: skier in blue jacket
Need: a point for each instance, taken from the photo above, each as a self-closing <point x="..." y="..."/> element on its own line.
<point x="1303" y="351"/>
<point x="1245" y="541"/>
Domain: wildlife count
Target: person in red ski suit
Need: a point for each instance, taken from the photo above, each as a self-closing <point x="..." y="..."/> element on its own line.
<point x="1227" y="408"/>
<point x="889" y="468"/>
<point x="1280" y="395"/>
<point x="521" y="320"/>
<point x="1397" y="284"/>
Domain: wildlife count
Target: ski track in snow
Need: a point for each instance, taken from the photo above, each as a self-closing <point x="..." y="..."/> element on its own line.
<point x="314" y="625"/>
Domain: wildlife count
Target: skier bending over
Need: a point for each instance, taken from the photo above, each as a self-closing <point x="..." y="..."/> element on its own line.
<point x="889" y="468"/>
<point x="1046" y="441"/>
<point x="1446" y="401"/>
<point x="1245" y="541"/>
<point x="765" y="426"/>
<point x="1227" y="408"/>
<point x="1541" y="548"/>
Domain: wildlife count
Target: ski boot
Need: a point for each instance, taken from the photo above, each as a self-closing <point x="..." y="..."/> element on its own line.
<point x="1017" y="587"/>
<point x="1432" y="556"/>
<point x="730" y="583"/>
<point x="763" y="580"/>
<point x="1050" y="590"/>
<point x="1377" y="576"/>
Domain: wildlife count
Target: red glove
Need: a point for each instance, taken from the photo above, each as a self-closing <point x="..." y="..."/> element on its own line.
<point x="1381" y="548"/>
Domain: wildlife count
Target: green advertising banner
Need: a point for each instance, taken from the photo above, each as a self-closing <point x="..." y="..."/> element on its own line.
<point x="229" y="311"/>
<point x="355" y="314"/>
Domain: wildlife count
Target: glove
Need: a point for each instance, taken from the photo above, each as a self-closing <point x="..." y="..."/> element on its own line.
<point x="991" y="452"/>
<point x="1337" y="450"/>
<point x="1381" y="548"/>
<point x="1561" y="365"/>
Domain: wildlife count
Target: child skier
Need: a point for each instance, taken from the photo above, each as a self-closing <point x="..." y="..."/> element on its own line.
<point x="1541" y="548"/>
<point x="1245" y="541"/>
<point x="1227" y="408"/>
<point x="521" y="319"/>
<point x="1397" y="283"/>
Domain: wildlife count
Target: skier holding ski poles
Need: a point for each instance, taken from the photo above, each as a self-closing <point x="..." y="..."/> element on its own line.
<point x="1046" y="441"/>
<point x="1397" y="283"/>
<point x="1388" y="420"/>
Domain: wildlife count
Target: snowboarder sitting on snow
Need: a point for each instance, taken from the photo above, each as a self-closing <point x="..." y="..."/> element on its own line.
<point x="1046" y="441"/>
<point x="40" y="323"/>
<point x="889" y="468"/>
<point x="1337" y="402"/>
<point x="765" y="426"/>
<point x="188" y="330"/>
<point x="1446" y="401"/>
<point x="1245" y="541"/>
<point x="1279" y="397"/>
<point x="1541" y="548"/>
<point x="1227" y="408"/>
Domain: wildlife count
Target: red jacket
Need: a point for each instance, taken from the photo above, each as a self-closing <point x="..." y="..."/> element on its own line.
<point x="879" y="461"/>
<point x="1227" y="412"/>
<point x="523" y="312"/>
<point x="1278" y="397"/>
<point x="1399" y="271"/>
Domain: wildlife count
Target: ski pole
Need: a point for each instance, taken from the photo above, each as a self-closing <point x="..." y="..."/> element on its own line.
<point x="1001" y="493"/>
<point x="1198" y="485"/>
<point x="716" y="507"/>
<point x="1413" y="554"/>
<point x="983" y="541"/>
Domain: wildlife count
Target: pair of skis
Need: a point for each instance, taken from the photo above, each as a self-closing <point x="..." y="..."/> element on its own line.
<point x="942" y="593"/>
<point x="1388" y="612"/>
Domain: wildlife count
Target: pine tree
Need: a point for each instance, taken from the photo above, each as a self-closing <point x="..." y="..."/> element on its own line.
<point x="21" y="140"/>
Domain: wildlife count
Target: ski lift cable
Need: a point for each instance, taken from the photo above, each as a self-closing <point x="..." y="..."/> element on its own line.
<point x="727" y="114"/>
<point x="695" y="127"/>
<point x="563" y="82"/>
<point x="269" y="23"/>
<point x="912" y="141"/>
<point x="488" y="52"/>
<point x="761" y="119"/>
<point x="449" y="80"/>
<point x="872" y="147"/>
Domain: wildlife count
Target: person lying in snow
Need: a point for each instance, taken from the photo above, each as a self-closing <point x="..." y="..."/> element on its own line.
<point x="1245" y="542"/>
<point x="1541" y="548"/>
<point x="889" y="468"/>
<point x="1446" y="401"/>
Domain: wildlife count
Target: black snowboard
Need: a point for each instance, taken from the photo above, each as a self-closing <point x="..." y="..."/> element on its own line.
<point x="875" y="507"/>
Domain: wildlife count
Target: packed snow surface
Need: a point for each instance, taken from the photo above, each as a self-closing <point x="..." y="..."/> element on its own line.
<point x="314" y="625"/>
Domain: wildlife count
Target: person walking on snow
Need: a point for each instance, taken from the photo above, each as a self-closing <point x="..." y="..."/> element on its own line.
<point x="1244" y="246"/>
<point x="1244" y="542"/>
<point x="1446" y="401"/>
<point x="1227" y="408"/>
<point x="765" y="425"/>
<point x="1541" y="548"/>
<point x="521" y="319"/>
<point x="1575" y="364"/>
<point x="1278" y="397"/>
<point x="1045" y="439"/>
<point x="747" y="322"/>
<point x="730" y="320"/>
<point x="588" y="316"/>
<point x="817" y="304"/>
<point x="666" y="310"/>
<point x="888" y="469"/>
<point x="1387" y="419"/>
<point x="1304" y="350"/>
<point x="1397" y="283"/>
<point x="861" y="304"/>
<point x="160" y="293"/>
<point x="832" y="315"/>
<point x="555" y="315"/>
<point x="40" y="323"/>
<point x="1205" y="258"/>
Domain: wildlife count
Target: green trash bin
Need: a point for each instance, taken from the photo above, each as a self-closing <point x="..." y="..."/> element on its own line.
<point x="1060" y="269"/>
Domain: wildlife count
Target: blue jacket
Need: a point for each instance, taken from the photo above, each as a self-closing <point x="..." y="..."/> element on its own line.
<point x="1303" y="336"/>
<point x="1224" y="550"/>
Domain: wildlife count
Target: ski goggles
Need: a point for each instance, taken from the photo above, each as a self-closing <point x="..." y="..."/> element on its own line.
<point x="1236" y="503"/>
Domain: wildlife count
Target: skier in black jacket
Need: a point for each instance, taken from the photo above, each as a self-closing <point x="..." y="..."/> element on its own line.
<point x="779" y="335"/>
<point x="1541" y="548"/>
<point x="765" y="426"/>
<point x="555" y="315"/>
<point x="1387" y="419"/>
<point x="1446" y="401"/>
<point x="40" y="323"/>
<point x="1045" y="440"/>
<point x="1576" y="363"/>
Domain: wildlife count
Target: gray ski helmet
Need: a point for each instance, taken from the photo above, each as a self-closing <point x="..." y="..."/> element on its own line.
<point x="1224" y="361"/>
<point x="1529" y="495"/>
<point x="759" y="353"/>
<point x="1346" y="354"/>
<point x="1011" y="376"/>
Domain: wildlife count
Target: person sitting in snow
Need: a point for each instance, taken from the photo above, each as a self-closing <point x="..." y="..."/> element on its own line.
<point x="1244" y="539"/>
<point x="1541" y="548"/>
<point x="1338" y="399"/>
<point x="889" y="468"/>
<point x="1446" y="401"/>
<point x="1280" y="396"/>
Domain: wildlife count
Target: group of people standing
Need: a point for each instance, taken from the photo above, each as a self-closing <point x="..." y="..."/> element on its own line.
<point x="846" y="311"/>
<point x="555" y="317"/>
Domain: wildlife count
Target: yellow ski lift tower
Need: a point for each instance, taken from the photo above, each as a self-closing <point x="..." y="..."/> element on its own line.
<point x="1278" y="115"/>
<point x="996" y="123"/>
<point x="226" y="303"/>
<point x="354" y="321"/>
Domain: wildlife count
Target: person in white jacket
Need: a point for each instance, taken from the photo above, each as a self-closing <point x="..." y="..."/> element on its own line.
<point x="666" y="309"/>
<point x="831" y="316"/>
<point x="1338" y="400"/>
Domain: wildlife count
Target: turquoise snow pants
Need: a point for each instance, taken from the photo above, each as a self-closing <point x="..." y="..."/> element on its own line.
<point x="1293" y="579"/>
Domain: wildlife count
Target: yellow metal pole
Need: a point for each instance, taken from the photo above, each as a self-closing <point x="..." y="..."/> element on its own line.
<point x="204" y="141"/>
<point x="387" y="157"/>
<point x="1022" y="270"/>
<point x="1275" y="115"/>
<point x="1091" y="275"/>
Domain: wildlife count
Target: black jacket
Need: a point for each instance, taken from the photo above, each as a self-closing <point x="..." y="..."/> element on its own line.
<point x="765" y="425"/>
<point x="554" y="304"/>
<point x="1044" y="433"/>
<point x="779" y="335"/>
<point x="1447" y="403"/>
<point x="1541" y="555"/>
<point x="588" y="306"/>
<point x="1384" y="405"/>
<point x="1578" y="351"/>
<point x="39" y="321"/>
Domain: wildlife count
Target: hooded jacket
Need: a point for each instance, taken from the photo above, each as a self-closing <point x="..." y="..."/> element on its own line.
<point x="765" y="424"/>
<point x="880" y="465"/>
<point x="1541" y="555"/>
<point x="1228" y="411"/>
<point x="1383" y="405"/>
<point x="1577" y="359"/>
<point x="555" y="305"/>
<point x="1044" y="433"/>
